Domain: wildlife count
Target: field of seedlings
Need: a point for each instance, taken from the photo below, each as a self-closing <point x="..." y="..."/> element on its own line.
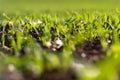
<point x="78" y="46"/>
<point x="59" y="40"/>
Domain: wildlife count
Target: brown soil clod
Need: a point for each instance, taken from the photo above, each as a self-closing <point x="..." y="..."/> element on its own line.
<point x="92" y="51"/>
<point x="59" y="75"/>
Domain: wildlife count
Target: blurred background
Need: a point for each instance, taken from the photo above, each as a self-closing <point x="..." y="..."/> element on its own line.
<point x="56" y="5"/>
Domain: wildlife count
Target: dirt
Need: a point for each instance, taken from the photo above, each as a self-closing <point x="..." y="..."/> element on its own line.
<point x="92" y="51"/>
<point x="59" y="75"/>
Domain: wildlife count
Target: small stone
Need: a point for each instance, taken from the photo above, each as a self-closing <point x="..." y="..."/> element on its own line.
<point x="109" y="41"/>
<point x="53" y="49"/>
<point x="37" y="22"/>
<point x="11" y="67"/>
<point x="83" y="55"/>
<point x="48" y="44"/>
<point x="59" y="43"/>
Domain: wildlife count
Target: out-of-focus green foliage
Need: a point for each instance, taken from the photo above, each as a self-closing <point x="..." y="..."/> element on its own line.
<point x="56" y="5"/>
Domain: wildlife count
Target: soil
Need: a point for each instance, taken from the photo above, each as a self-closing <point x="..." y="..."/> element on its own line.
<point x="92" y="51"/>
<point x="59" y="75"/>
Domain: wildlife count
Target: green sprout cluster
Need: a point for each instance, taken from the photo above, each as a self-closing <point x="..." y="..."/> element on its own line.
<point x="31" y="45"/>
